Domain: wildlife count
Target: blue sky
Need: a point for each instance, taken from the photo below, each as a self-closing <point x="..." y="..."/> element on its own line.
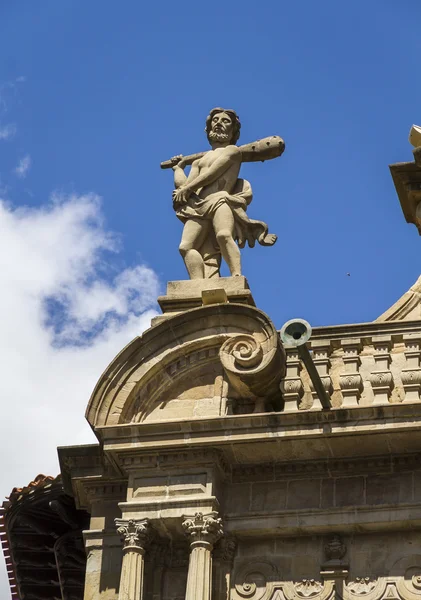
<point x="94" y="95"/>
<point x="110" y="92"/>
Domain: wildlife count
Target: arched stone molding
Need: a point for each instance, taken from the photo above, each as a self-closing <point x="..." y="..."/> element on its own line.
<point x="408" y="582"/>
<point x="261" y="580"/>
<point x="233" y="343"/>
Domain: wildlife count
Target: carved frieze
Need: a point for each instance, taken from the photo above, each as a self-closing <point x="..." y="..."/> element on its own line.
<point x="361" y="585"/>
<point x="306" y="588"/>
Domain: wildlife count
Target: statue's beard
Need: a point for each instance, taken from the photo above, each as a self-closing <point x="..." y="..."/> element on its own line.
<point x="215" y="136"/>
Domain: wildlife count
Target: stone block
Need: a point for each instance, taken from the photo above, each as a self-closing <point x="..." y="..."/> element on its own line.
<point x="304" y="493"/>
<point x="349" y="491"/>
<point x="192" y="293"/>
<point x="327" y="493"/>
<point x="389" y="489"/>
<point x="268" y="496"/>
<point x="238" y="498"/>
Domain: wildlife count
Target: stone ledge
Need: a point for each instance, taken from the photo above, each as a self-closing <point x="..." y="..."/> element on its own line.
<point x="309" y="522"/>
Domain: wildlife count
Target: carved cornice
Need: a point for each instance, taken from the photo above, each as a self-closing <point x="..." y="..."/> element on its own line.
<point x="136" y="534"/>
<point x="169" y="460"/>
<point x="203" y="529"/>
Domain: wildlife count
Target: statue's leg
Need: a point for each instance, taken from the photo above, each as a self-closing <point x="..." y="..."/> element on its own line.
<point x="223" y="223"/>
<point x="194" y="233"/>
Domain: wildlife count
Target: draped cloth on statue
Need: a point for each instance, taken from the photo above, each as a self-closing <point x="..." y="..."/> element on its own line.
<point x="246" y="229"/>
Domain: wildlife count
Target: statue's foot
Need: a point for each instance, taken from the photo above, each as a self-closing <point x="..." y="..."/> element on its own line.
<point x="269" y="239"/>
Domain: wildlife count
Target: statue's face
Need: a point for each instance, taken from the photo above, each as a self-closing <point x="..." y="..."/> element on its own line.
<point x="222" y="125"/>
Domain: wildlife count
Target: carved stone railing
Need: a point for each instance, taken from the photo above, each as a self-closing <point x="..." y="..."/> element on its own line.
<point x="374" y="368"/>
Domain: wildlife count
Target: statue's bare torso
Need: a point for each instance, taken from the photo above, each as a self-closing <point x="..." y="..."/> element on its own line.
<point x="227" y="180"/>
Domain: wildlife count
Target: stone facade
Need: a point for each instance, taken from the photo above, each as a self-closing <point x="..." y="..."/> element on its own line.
<point x="218" y="475"/>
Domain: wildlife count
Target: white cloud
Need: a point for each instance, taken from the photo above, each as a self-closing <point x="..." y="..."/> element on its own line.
<point x="62" y="320"/>
<point x="7" y="131"/>
<point x="23" y="166"/>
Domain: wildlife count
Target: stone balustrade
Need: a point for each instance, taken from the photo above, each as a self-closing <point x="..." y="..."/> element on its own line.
<point x="374" y="368"/>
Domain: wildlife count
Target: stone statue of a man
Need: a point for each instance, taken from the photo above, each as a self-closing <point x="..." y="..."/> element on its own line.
<point x="212" y="202"/>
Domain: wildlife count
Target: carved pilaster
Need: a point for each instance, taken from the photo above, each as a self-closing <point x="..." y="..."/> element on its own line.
<point x="381" y="377"/>
<point x="350" y="380"/>
<point x="321" y="351"/>
<point x="203" y="532"/>
<point x="411" y="375"/>
<point x="136" y="536"/>
<point x="223" y="557"/>
<point x="292" y="386"/>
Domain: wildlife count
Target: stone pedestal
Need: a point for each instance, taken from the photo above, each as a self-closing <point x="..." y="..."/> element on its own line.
<point x="191" y="293"/>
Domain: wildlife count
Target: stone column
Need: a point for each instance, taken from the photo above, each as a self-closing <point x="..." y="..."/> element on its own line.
<point x="136" y="536"/>
<point x="203" y="532"/>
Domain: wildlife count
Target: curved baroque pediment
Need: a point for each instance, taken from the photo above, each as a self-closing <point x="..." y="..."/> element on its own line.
<point x="190" y="365"/>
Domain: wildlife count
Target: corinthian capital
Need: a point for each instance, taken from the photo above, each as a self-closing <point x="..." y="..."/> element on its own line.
<point x="136" y="534"/>
<point x="203" y="528"/>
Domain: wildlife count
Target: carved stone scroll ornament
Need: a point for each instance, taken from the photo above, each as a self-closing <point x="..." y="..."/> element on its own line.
<point x="261" y="580"/>
<point x="254" y="364"/>
<point x="408" y="581"/>
<point x="254" y="581"/>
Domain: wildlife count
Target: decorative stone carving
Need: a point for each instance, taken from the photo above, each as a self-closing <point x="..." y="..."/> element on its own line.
<point x="411" y="375"/>
<point x="291" y="386"/>
<point x="321" y="350"/>
<point x="306" y="588"/>
<point x="408" y="585"/>
<point x="212" y="201"/>
<point x="350" y="381"/>
<point x="335" y="549"/>
<point x="254" y="367"/>
<point x="361" y="585"/>
<point x="156" y="379"/>
<point x="203" y="528"/>
<point x="136" y="535"/>
<point x="381" y="378"/>
<point x="253" y="581"/>
<point x="226" y="549"/>
<point x="203" y="532"/>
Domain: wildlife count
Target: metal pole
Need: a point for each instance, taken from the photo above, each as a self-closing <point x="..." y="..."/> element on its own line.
<point x="314" y="376"/>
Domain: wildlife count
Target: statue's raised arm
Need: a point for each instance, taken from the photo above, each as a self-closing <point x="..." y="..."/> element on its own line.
<point x="212" y="200"/>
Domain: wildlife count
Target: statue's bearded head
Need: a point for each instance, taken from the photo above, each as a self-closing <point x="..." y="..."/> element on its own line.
<point x="223" y="126"/>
